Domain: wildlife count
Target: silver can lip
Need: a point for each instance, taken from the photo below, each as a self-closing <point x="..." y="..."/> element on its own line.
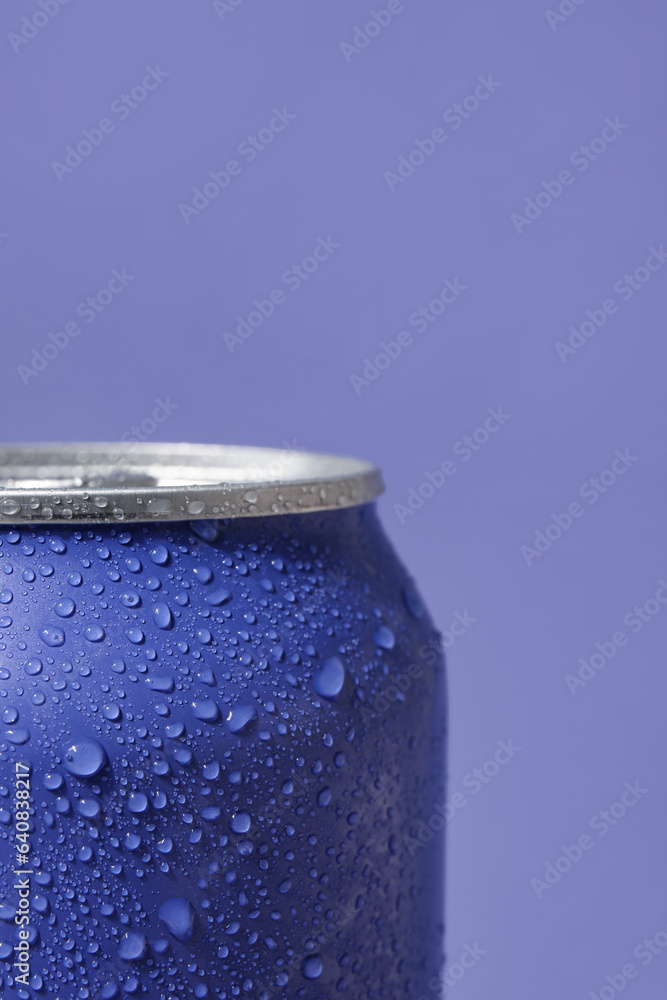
<point x="120" y="482"/>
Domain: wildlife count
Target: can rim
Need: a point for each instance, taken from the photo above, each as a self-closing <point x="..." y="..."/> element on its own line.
<point x="115" y="482"/>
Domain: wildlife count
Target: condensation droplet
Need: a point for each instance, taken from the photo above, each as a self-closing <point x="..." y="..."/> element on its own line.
<point x="94" y="633"/>
<point x="133" y="946"/>
<point x="65" y="608"/>
<point x="218" y="597"/>
<point x="52" y="635"/>
<point x="205" y="709"/>
<point x="240" y="823"/>
<point x="137" y="803"/>
<point x="329" y="679"/>
<point x="178" y="916"/>
<point x="162" y="615"/>
<point x="53" y="781"/>
<point x="384" y="637"/>
<point x="85" y="758"/>
<point x="159" y="555"/>
<point x="17" y="736"/>
<point x="324" y="797"/>
<point x="312" y="968"/>
<point x="241" y="718"/>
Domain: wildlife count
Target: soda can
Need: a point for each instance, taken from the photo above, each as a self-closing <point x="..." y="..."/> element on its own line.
<point x="222" y="731"/>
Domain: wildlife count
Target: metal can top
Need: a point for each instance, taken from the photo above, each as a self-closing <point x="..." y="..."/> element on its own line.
<point x="138" y="481"/>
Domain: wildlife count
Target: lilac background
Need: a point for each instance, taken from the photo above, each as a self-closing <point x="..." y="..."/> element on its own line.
<point x="162" y="338"/>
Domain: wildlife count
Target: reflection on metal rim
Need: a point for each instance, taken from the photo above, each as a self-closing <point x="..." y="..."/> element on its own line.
<point x="116" y="482"/>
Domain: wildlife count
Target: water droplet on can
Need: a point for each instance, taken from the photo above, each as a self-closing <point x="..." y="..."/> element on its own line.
<point x="85" y="758"/>
<point x="133" y="946"/>
<point x="240" y="718"/>
<point x="165" y="684"/>
<point x="178" y="916"/>
<point x="413" y="601"/>
<point x="329" y="679"/>
<point x="324" y="797"/>
<point x="312" y="968"/>
<point x="94" y="633"/>
<point x="52" y="635"/>
<point x="205" y="709"/>
<point x="162" y="615"/>
<point x="53" y="781"/>
<point x="159" y="555"/>
<point x="137" y="803"/>
<point x="218" y="597"/>
<point x="240" y="823"/>
<point x="384" y="637"/>
<point x="90" y="808"/>
<point x="16" y="736"/>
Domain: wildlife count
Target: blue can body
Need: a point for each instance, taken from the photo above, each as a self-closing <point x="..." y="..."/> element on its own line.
<point x="220" y="742"/>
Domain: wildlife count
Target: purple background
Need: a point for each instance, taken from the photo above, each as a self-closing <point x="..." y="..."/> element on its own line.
<point x="162" y="337"/>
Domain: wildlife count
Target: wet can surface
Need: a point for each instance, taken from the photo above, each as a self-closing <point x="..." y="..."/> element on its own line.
<point x="219" y="734"/>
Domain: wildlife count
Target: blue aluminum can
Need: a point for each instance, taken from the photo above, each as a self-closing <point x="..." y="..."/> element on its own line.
<point x="222" y="727"/>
